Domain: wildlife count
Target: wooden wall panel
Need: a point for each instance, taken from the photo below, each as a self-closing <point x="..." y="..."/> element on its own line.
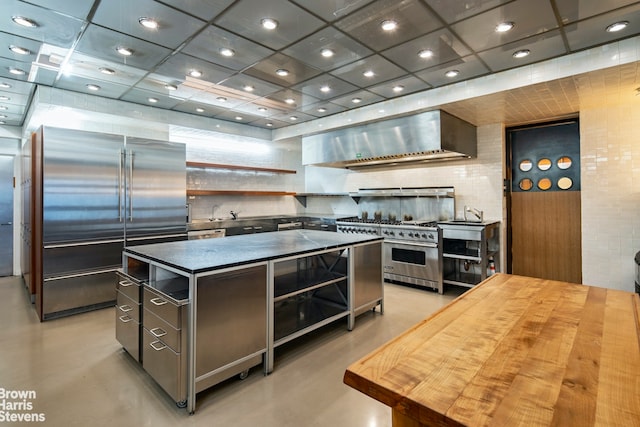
<point x="546" y="235"/>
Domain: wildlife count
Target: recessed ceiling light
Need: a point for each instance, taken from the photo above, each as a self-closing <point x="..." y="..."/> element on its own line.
<point x="325" y="88"/>
<point x="282" y="72"/>
<point x="200" y="110"/>
<point x="389" y="25"/>
<point x="248" y="88"/>
<point x="290" y="101"/>
<point x="617" y="26"/>
<point x="19" y="50"/>
<point x="322" y="110"/>
<point x="327" y="53"/>
<point x="149" y="23"/>
<point x="238" y="117"/>
<point x="2" y="122"/>
<point x="195" y="73"/>
<point x="17" y="71"/>
<point x="269" y="124"/>
<point x="152" y="100"/>
<point x="4" y="98"/>
<point x="25" y="22"/>
<point x="369" y="73"/>
<point x="108" y="71"/>
<point x="503" y="27"/>
<point x="4" y="108"/>
<point x="4" y="85"/>
<point x="425" y="53"/>
<point x="170" y="87"/>
<point x="452" y="73"/>
<point x="356" y="100"/>
<point x="293" y="118"/>
<point x="93" y="87"/>
<point x="125" y="51"/>
<point x="221" y="99"/>
<point x="225" y="51"/>
<point x="269" y="23"/>
<point x="262" y="109"/>
<point x="3" y="116"/>
<point x="398" y="88"/>
<point x="521" y="53"/>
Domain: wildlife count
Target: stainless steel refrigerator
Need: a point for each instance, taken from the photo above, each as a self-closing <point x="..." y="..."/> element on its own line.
<point x="90" y="195"/>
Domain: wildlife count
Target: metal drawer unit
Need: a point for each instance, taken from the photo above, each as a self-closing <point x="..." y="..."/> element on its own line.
<point x="164" y="345"/>
<point x="128" y="313"/>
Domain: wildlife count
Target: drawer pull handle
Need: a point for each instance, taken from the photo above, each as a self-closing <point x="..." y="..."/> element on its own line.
<point x="125" y="308"/>
<point x="125" y="319"/>
<point x="125" y="283"/>
<point x="154" y="345"/>
<point x="158" y="332"/>
<point x="158" y="301"/>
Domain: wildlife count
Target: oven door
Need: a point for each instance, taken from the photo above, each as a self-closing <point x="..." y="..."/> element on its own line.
<point x="414" y="263"/>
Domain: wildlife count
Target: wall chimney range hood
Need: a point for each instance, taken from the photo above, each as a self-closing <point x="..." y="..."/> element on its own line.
<point x="421" y="138"/>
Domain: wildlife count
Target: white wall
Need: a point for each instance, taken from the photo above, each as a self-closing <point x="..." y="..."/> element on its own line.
<point x="610" y="159"/>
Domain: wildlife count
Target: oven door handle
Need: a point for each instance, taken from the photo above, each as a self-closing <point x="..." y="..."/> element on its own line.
<point x="421" y="245"/>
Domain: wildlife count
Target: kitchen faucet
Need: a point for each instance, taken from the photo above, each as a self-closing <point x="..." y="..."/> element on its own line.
<point x="234" y="214"/>
<point x="477" y="213"/>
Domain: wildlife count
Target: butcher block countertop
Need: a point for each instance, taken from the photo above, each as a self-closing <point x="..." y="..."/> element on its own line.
<point x="514" y="351"/>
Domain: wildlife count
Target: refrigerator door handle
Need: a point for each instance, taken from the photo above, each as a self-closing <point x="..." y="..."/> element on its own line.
<point x="131" y="157"/>
<point x="121" y="155"/>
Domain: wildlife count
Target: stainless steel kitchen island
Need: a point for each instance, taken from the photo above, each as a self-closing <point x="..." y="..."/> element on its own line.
<point x="210" y="309"/>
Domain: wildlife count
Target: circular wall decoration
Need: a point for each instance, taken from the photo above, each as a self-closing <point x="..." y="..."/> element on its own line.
<point x="564" y="162"/>
<point x="525" y="184"/>
<point x="526" y="165"/>
<point x="544" y="184"/>
<point x="544" y="164"/>
<point x="565" y="183"/>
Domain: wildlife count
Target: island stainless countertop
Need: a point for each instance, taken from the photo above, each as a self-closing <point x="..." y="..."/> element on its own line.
<point x="195" y="256"/>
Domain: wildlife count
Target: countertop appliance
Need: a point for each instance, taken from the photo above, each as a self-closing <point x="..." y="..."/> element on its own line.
<point x="90" y="195"/>
<point x="411" y="250"/>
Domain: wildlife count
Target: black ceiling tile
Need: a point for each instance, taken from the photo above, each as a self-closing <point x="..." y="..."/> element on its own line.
<point x="208" y="45"/>
<point x="345" y="49"/>
<point x="268" y="69"/>
<point x="412" y="17"/>
<point x="245" y="17"/>
<point x="442" y="45"/>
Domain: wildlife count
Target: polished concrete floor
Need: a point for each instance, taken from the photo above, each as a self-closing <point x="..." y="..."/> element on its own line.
<point x="81" y="376"/>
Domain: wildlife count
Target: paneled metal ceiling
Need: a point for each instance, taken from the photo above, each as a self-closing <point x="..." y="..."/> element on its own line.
<point x="73" y="45"/>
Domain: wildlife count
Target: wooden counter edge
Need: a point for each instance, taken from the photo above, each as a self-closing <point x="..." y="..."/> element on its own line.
<point x="380" y="393"/>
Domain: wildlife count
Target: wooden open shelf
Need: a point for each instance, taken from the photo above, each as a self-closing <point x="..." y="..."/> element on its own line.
<point x="238" y="193"/>
<point x="236" y="167"/>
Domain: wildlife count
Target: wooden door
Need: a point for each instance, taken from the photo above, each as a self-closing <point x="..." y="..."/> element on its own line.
<point x="544" y="232"/>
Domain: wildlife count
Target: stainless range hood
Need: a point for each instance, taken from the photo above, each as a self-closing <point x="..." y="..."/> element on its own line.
<point x="431" y="136"/>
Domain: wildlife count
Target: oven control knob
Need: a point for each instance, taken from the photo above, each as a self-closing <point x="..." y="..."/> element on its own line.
<point x="385" y="232"/>
<point x="430" y="236"/>
<point x="411" y="235"/>
<point x="401" y="234"/>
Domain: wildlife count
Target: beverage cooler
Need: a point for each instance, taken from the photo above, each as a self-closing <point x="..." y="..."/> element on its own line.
<point x="87" y="196"/>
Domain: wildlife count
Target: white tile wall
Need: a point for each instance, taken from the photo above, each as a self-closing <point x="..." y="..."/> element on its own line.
<point x="610" y="156"/>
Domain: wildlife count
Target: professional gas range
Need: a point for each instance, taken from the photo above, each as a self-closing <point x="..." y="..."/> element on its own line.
<point x="411" y="250"/>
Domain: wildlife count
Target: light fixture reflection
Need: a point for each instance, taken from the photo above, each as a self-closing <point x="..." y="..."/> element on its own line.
<point x="617" y="26"/>
<point x="503" y="27"/>
<point x="25" y="22"/>
<point x="269" y="23"/>
<point x="389" y="25"/>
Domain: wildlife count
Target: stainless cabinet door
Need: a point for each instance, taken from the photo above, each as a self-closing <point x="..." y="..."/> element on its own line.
<point x="156" y="177"/>
<point x="83" y="186"/>
<point x="6" y="215"/>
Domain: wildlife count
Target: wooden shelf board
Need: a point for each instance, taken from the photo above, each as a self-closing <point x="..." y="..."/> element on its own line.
<point x="237" y="167"/>
<point x="238" y="193"/>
